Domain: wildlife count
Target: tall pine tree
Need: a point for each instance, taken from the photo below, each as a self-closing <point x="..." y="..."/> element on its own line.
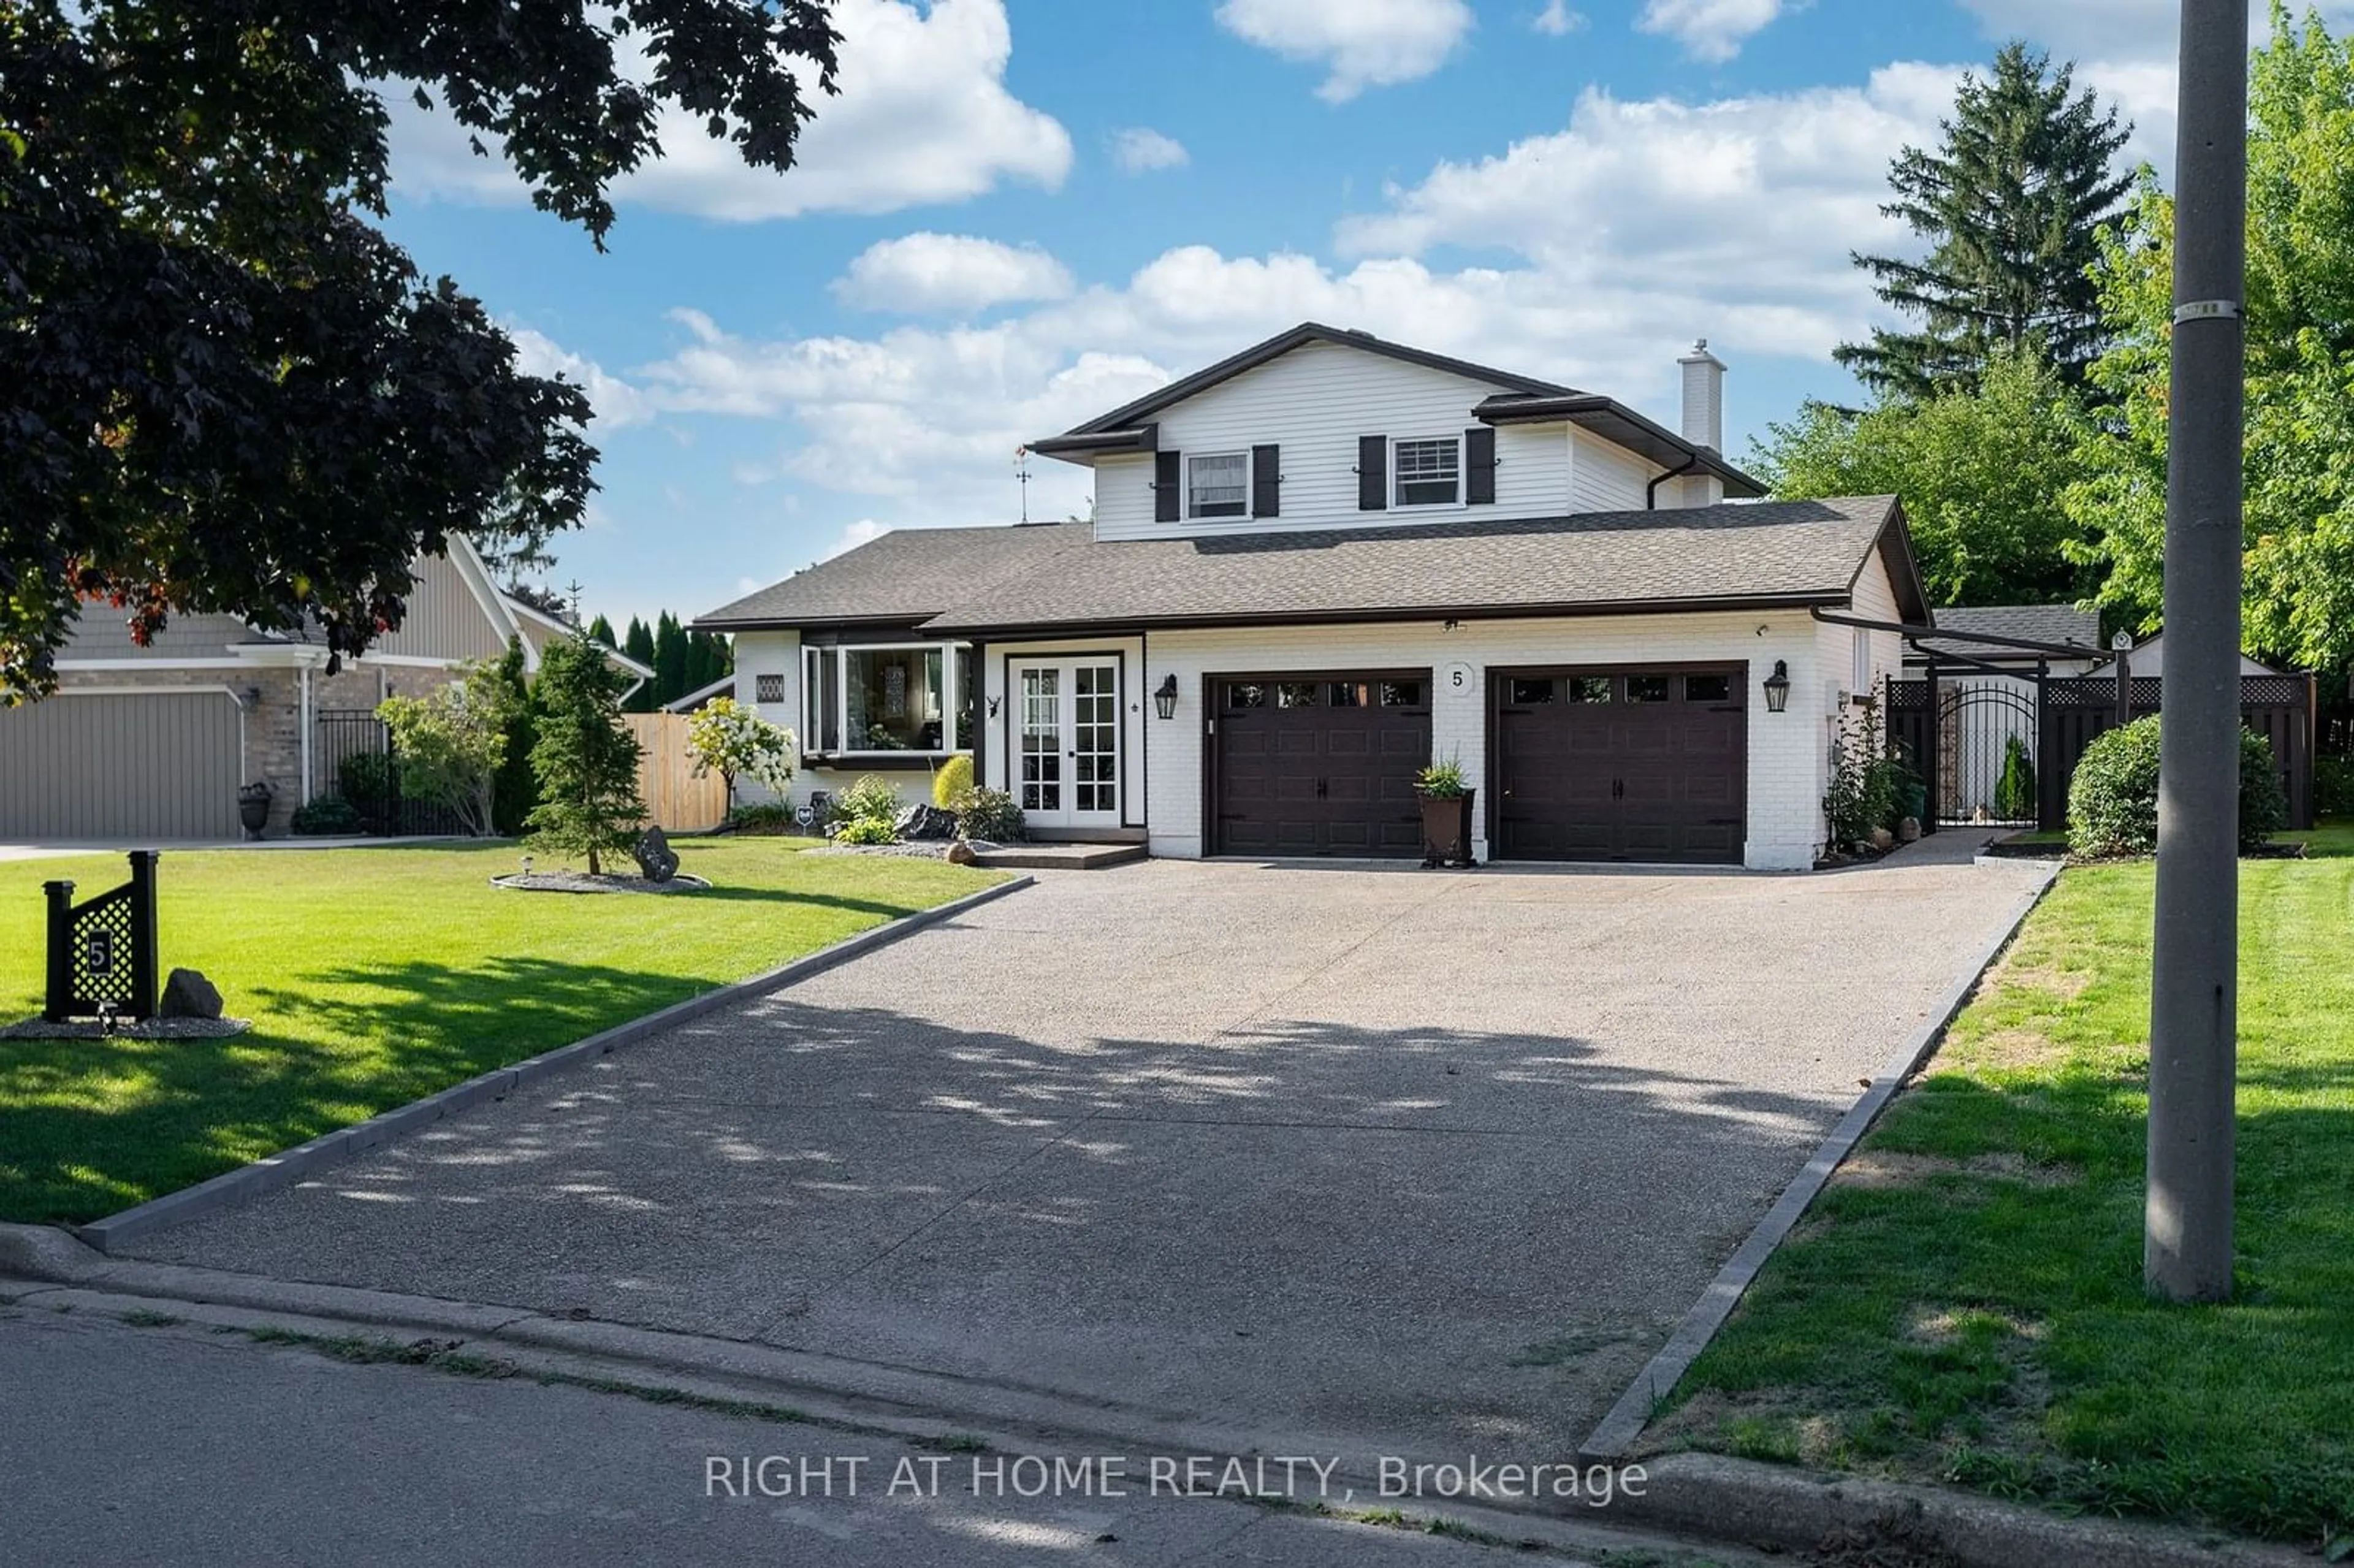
<point x="2010" y="206"/>
<point x="670" y="659"/>
<point x="637" y="643"/>
<point x="600" y="631"/>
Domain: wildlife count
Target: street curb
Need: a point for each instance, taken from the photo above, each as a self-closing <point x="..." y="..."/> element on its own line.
<point x="1786" y="1510"/>
<point x="1617" y="1433"/>
<point x="1745" y="1506"/>
<point x="289" y="1166"/>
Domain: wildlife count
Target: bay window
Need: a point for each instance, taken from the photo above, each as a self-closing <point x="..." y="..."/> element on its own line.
<point x="874" y="699"/>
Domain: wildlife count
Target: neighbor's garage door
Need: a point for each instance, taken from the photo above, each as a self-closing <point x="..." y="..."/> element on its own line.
<point x="1320" y="764"/>
<point x="160" y="765"/>
<point x="1621" y="765"/>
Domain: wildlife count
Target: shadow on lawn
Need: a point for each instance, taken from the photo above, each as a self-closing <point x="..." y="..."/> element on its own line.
<point x="88" y="1128"/>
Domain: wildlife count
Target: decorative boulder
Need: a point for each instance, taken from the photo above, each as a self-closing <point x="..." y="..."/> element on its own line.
<point x="923" y="821"/>
<point x="1908" y="830"/>
<point x="187" y="994"/>
<point x="960" y="853"/>
<point x="1881" y="839"/>
<point x="655" y="857"/>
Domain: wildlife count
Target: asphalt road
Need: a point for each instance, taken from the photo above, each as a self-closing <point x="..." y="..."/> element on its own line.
<point x="173" y="1444"/>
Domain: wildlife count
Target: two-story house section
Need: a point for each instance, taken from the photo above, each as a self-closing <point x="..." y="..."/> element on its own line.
<point x="1321" y="564"/>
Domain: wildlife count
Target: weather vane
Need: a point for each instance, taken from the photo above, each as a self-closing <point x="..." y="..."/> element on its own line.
<point x="1022" y="473"/>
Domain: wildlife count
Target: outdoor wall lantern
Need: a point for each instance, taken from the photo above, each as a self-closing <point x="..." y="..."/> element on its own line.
<point x="1164" y="696"/>
<point x="1777" y="687"/>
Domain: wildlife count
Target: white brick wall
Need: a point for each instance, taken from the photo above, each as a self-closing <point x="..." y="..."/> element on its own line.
<point x="1785" y="750"/>
<point x="761" y="653"/>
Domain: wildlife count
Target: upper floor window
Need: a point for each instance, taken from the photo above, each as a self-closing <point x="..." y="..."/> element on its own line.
<point x="1218" y="485"/>
<point x="1429" y="474"/>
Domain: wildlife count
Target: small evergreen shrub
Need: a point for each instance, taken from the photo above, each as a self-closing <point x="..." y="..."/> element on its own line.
<point x="2014" y="792"/>
<point x="953" y="782"/>
<point x="990" y="816"/>
<point x="327" y="817"/>
<point x="1867" y="787"/>
<point x="2112" y="798"/>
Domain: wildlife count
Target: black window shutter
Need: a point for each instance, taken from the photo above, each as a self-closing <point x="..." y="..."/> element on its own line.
<point x="1480" y="466"/>
<point x="1373" y="473"/>
<point x="1266" y="481"/>
<point x="1168" y="487"/>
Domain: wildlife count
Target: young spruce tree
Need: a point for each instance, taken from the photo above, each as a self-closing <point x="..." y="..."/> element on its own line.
<point x="585" y="757"/>
<point x="2010" y="206"/>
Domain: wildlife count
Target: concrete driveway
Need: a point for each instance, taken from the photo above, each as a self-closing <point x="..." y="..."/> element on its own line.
<point x="1384" y="1160"/>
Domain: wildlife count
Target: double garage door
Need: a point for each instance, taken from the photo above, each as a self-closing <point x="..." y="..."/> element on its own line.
<point x="1587" y="765"/>
<point x="121" y="765"/>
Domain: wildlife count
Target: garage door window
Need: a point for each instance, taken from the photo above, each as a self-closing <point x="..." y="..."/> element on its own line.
<point x="1245" y="696"/>
<point x="1298" y="694"/>
<point x="1401" y="694"/>
<point x="1708" y="688"/>
<point x="1590" y="689"/>
<point x="1524" y="694"/>
<point x="1646" y="688"/>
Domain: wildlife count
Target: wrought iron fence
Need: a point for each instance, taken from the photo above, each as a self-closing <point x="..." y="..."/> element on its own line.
<point x="354" y="760"/>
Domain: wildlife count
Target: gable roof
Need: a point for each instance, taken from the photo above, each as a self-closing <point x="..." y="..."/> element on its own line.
<point x="906" y="576"/>
<point x="1132" y="414"/>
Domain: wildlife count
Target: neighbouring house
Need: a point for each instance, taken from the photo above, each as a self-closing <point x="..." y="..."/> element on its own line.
<point x="1319" y="564"/>
<point x="2147" y="661"/>
<point x="151" y="742"/>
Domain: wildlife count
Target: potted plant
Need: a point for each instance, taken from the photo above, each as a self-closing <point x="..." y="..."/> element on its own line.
<point x="1446" y="814"/>
<point x="253" y="807"/>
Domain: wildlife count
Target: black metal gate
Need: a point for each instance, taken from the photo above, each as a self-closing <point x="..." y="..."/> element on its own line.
<point x="354" y="762"/>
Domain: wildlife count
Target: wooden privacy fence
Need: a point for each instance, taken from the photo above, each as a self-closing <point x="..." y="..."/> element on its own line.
<point x="677" y="799"/>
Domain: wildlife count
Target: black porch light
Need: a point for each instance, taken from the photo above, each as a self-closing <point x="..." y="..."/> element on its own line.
<point x="1164" y="696"/>
<point x="1777" y="687"/>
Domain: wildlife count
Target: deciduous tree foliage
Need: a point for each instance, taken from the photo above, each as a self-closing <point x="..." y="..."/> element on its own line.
<point x="1980" y="470"/>
<point x="2299" y="586"/>
<point x="2009" y="205"/>
<point x="221" y="387"/>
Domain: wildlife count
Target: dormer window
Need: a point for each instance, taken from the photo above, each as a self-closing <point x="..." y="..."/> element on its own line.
<point x="1429" y="473"/>
<point x="1218" y="485"/>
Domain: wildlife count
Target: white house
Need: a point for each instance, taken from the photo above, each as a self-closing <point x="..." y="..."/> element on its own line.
<point x="1320" y="565"/>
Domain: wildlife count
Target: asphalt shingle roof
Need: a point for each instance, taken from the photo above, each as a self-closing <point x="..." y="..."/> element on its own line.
<point x="1783" y="549"/>
<point x="906" y="575"/>
<point x="2032" y="622"/>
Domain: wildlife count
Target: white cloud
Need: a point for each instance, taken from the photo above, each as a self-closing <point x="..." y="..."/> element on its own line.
<point x="917" y="274"/>
<point x="1557" y="20"/>
<point x="1141" y="149"/>
<point x="923" y="116"/>
<point x="1363" y="43"/>
<point x="617" y="402"/>
<point x="1711" y="30"/>
<point x="865" y="531"/>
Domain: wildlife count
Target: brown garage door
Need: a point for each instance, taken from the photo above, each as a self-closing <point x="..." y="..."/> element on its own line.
<point x="121" y="765"/>
<point x="1621" y="765"/>
<point x="1318" y="763"/>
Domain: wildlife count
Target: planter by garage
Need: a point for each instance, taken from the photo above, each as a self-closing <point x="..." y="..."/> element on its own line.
<point x="1447" y="829"/>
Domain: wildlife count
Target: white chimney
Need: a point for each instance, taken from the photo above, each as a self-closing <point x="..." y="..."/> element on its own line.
<point x="1703" y="421"/>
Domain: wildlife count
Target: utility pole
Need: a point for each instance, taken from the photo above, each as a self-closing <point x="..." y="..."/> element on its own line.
<point x="2194" y="992"/>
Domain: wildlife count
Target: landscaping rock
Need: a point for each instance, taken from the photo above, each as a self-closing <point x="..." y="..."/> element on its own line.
<point x="1908" y="830"/>
<point x="187" y="994"/>
<point x="655" y="857"/>
<point x="960" y="853"/>
<point x="1881" y="839"/>
<point x="923" y="821"/>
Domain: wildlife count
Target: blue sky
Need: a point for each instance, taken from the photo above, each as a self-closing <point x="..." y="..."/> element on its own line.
<point x="1019" y="213"/>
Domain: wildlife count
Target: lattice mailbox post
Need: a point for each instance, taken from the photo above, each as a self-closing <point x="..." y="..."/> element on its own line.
<point x="103" y="951"/>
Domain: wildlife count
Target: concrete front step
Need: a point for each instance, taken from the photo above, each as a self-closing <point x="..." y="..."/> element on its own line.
<point x="1059" y="856"/>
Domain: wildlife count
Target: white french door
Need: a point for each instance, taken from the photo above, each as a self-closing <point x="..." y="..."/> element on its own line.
<point x="1065" y="751"/>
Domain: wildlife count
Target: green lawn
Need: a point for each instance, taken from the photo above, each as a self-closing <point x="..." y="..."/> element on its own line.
<point x="374" y="976"/>
<point x="1965" y="1302"/>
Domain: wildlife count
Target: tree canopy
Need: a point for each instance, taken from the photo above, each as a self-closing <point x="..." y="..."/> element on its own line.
<point x="221" y="387"/>
<point x="2009" y="205"/>
<point x="2300" y="444"/>
<point x="1980" y="470"/>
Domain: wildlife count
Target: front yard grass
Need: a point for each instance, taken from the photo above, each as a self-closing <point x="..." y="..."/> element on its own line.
<point x="1965" y="1301"/>
<point x="376" y="976"/>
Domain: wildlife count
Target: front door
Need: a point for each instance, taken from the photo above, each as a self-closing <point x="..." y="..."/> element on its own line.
<point x="1066" y="749"/>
